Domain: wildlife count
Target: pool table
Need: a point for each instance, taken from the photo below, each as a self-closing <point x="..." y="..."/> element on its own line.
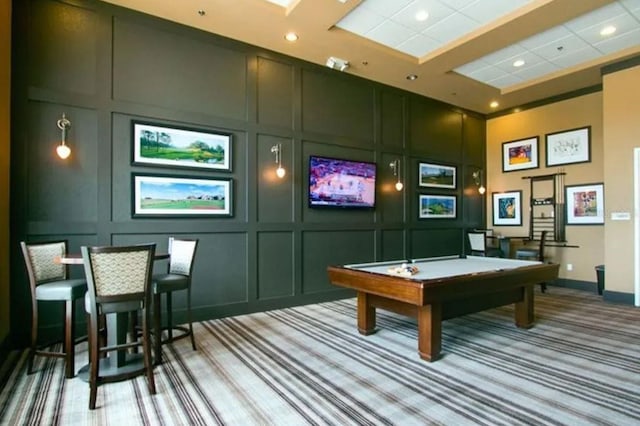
<point x="442" y="288"/>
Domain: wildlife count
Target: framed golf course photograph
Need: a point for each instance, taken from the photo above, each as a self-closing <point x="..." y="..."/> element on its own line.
<point x="162" y="145"/>
<point x="171" y="196"/>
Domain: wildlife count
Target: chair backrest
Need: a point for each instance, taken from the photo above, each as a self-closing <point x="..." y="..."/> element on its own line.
<point x="118" y="273"/>
<point x="543" y="239"/>
<point x="477" y="241"/>
<point x="40" y="258"/>
<point x="182" y="252"/>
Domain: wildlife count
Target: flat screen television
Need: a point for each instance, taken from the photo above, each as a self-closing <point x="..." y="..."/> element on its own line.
<point x="341" y="183"/>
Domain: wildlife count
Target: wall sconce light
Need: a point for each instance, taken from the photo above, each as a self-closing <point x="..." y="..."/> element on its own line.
<point x="395" y="166"/>
<point x="337" y="63"/>
<point x="477" y="177"/>
<point x="277" y="150"/>
<point x="63" y="150"/>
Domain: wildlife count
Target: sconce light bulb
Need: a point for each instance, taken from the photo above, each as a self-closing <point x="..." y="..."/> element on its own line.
<point x="280" y="172"/>
<point x="482" y="189"/>
<point x="63" y="151"/>
<point x="399" y="186"/>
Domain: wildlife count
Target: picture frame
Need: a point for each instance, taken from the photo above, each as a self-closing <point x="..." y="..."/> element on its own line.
<point x="520" y="154"/>
<point x="437" y="206"/>
<point x="180" y="196"/>
<point x="585" y="204"/>
<point x="568" y="147"/>
<point x="436" y="175"/>
<point x="507" y="208"/>
<point x="156" y="144"/>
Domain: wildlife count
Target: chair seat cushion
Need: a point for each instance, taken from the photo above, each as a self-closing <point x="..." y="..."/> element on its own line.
<point x="163" y="283"/>
<point x="61" y="290"/>
<point x="526" y="253"/>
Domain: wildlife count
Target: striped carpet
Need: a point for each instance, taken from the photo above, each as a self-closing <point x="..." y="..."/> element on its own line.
<point x="580" y="365"/>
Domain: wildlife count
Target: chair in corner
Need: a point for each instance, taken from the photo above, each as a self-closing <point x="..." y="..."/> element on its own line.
<point x="119" y="282"/>
<point x="178" y="277"/>
<point x="478" y="244"/>
<point x="534" y="253"/>
<point x="49" y="282"/>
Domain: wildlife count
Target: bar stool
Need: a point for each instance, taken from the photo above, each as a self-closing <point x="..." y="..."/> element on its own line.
<point x="534" y="253"/>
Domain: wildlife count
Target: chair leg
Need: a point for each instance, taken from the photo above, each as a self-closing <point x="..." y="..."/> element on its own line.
<point x="193" y="340"/>
<point x="69" y="338"/>
<point x="146" y="351"/>
<point x="543" y="287"/>
<point x="34" y="339"/>
<point x="169" y="318"/>
<point x="157" y="328"/>
<point x="94" y="361"/>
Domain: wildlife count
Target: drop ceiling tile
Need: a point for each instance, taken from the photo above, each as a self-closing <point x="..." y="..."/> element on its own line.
<point x="596" y="17"/>
<point x="623" y="41"/>
<point x="536" y="71"/>
<point x="451" y="28"/>
<point x="504" y="81"/>
<point x="407" y="16"/>
<point x="563" y="46"/>
<point x="384" y="7"/>
<point x="623" y="24"/>
<point x="418" y="45"/>
<point x="574" y="58"/>
<point x="487" y="73"/>
<point x="487" y="11"/>
<point x="362" y="22"/>
<point x="631" y="5"/>
<point x="530" y="59"/>
<point x="503" y="54"/>
<point x="471" y="67"/>
<point x="545" y="38"/>
<point x="390" y="33"/>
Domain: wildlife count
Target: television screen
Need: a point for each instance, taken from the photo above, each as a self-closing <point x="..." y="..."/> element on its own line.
<point x="341" y="183"/>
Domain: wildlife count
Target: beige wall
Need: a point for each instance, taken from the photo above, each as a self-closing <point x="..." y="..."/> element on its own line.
<point x="621" y="116"/>
<point x="569" y="114"/>
<point x="5" y="82"/>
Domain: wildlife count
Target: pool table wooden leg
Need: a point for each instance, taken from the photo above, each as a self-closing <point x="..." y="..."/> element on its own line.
<point x="430" y="331"/>
<point x="524" y="314"/>
<point x="366" y="314"/>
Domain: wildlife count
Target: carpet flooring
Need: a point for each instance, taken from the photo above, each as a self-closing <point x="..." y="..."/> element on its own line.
<point x="579" y="365"/>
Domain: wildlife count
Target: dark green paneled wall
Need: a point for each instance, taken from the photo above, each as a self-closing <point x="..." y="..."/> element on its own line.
<point x="105" y="67"/>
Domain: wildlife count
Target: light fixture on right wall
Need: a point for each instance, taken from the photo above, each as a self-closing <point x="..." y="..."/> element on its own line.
<point x="395" y="166"/>
<point x="277" y="150"/>
<point x="477" y="177"/>
<point x="63" y="149"/>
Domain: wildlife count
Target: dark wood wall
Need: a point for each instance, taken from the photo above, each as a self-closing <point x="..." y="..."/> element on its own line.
<point x="105" y="66"/>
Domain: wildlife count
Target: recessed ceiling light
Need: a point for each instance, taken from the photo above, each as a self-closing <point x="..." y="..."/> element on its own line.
<point x="412" y="77"/>
<point x="202" y="12"/>
<point x="291" y="36"/>
<point x="608" y="30"/>
<point x="422" y="15"/>
<point x="494" y="104"/>
<point x="518" y="63"/>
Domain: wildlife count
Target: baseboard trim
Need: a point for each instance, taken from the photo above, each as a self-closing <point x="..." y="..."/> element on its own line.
<point x="607" y="295"/>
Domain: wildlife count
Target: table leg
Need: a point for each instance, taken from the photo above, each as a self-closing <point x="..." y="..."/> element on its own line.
<point x="430" y="331"/>
<point x="366" y="314"/>
<point x="524" y="313"/>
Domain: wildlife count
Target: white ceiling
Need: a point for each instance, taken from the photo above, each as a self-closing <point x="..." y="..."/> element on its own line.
<point x="463" y="53"/>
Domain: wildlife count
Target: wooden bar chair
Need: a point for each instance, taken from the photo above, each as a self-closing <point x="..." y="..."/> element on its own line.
<point x="49" y="282"/>
<point x="534" y="253"/>
<point x="178" y="277"/>
<point x="478" y="244"/>
<point x="119" y="283"/>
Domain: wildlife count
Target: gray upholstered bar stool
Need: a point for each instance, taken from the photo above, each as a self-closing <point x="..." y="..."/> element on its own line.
<point x="534" y="253"/>
<point x="182" y="252"/>
<point x="49" y="282"/>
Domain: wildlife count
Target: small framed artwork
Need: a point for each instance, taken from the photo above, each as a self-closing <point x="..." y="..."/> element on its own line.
<point x="520" y="155"/>
<point x="569" y="147"/>
<point x="507" y="208"/>
<point x="437" y="206"/>
<point x="437" y="176"/>
<point x="585" y="204"/>
<point x="171" y="196"/>
<point x="161" y="145"/>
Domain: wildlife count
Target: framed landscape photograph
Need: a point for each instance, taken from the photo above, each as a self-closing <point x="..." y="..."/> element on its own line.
<point x="569" y="147"/>
<point x="436" y="176"/>
<point x="585" y="204"/>
<point x="520" y="155"/>
<point x="437" y="206"/>
<point x="507" y="208"/>
<point x="171" y="196"/>
<point x="158" y="145"/>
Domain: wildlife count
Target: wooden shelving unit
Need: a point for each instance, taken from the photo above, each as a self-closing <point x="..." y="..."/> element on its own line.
<point x="546" y="206"/>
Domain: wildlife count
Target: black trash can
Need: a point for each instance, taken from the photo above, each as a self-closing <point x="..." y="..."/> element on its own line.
<point x="600" y="275"/>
